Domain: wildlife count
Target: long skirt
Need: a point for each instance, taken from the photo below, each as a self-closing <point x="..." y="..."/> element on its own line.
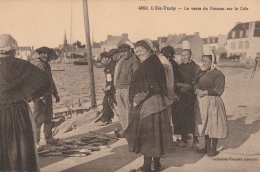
<point x="211" y="118"/>
<point x="17" y="144"/>
<point x="151" y="135"/>
<point x="183" y="115"/>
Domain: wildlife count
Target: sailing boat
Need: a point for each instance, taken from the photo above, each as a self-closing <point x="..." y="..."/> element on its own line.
<point x="80" y="62"/>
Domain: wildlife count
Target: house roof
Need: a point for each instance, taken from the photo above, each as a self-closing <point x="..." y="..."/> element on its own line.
<point x="244" y="27"/>
<point x="25" y="48"/>
<point x="178" y="39"/>
<point x="185" y="38"/>
<point x="96" y="45"/>
<point x="114" y="40"/>
<point x="162" y="39"/>
<point x="177" y="51"/>
<point x="209" y="40"/>
<point x="174" y="38"/>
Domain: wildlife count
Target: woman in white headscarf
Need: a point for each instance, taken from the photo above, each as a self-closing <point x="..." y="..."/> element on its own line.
<point x="210" y="113"/>
<point x="19" y="81"/>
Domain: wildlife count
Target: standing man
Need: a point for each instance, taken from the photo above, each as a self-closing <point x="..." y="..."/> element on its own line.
<point x="184" y="119"/>
<point x="124" y="71"/>
<point x="43" y="111"/>
<point x="109" y="70"/>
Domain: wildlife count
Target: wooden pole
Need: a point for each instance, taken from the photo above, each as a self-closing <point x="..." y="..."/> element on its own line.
<point x="89" y="54"/>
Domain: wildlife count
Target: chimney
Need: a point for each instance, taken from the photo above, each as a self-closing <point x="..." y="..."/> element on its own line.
<point x="196" y="34"/>
<point x="109" y="36"/>
<point x="125" y="35"/>
<point x="251" y="29"/>
<point x="237" y="23"/>
<point x="32" y="48"/>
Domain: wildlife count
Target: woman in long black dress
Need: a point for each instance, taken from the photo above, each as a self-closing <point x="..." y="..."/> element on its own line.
<point x="19" y="81"/>
<point x="149" y="131"/>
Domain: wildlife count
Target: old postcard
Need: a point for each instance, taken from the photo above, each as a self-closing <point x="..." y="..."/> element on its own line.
<point x="112" y="103"/>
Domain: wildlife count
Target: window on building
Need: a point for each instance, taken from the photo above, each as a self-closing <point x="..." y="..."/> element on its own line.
<point x="208" y="40"/>
<point x="240" y="45"/>
<point x="213" y="40"/>
<point x="246" y="45"/>
<point x="247" y="33"/>
<point x="233" y="34"/>
<point x="241" y="33"/>
<point x="233" y="45"/>
<point x="258" y="54"/>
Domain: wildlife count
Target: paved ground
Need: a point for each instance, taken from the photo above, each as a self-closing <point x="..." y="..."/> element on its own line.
<point x="240" y="152"/>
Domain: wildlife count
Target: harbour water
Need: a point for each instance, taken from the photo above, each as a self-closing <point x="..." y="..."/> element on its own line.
<point x="72" y="82"/>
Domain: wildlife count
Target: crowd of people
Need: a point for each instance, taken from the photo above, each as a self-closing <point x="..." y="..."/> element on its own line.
<point x="156" y="98"/>
<point x="159" y="99"/>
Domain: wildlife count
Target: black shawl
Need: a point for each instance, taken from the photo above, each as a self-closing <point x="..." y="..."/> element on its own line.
<point x="20" y="80"/>
<point x="149" y="78"/>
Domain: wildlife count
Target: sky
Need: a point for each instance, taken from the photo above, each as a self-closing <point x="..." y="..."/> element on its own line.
<point x="43" y="22"/>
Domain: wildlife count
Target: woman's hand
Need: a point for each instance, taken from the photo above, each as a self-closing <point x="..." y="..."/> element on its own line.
<point x="134" y="104"/>
<point x="108" y="88"/>
<point x="201" y="93"/>
<point x="176" y="99"/>
<point x="187" y="87"/>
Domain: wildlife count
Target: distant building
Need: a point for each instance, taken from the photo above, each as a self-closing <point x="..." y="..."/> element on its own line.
<point x="113" y="42"/>
<point x="244" y="41"/>
<point x="96" y="50"/>
<point x="162" y="40"/>
<point x="176" y="42"/>
<point x="24" y="52"/>
<point x="65" y="47"/>
<point x="212" y="41"/>
<point x="217" y="43"/>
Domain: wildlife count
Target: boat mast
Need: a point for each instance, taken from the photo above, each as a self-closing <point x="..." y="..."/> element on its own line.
<point x="89" y="53"/>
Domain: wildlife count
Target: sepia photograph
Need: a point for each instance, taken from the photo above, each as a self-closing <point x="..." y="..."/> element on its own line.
<point x="129" y="85"/>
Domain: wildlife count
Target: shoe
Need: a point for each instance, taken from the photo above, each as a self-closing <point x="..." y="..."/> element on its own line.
<point x="212" y="154"/>
<point x="182" y="144"/>
<point x="156" y="164"/>
<point x="40" y="148"/>
<point x="202" y="151"/>
<point x="118" y="133"/>
<point x="157" y="167"/>
<point x="52" y="141"/>
<point x="189" y="136"/>
<point x="213" y="148"/>
<point x="195" y="146"/>
<point x="104" y="123"/>
<point x="137" y="170"/>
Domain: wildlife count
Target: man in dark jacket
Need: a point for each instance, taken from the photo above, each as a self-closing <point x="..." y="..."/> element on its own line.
<point x="109" y="70"/>
<point x="43" y="110"/>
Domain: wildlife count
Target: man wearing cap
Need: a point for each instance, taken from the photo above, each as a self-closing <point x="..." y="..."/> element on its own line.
<point x="184" y="118"/>
<point x="124" y="71"/>
<point x="109" y="70"/>
<point x="43" y="110"/>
